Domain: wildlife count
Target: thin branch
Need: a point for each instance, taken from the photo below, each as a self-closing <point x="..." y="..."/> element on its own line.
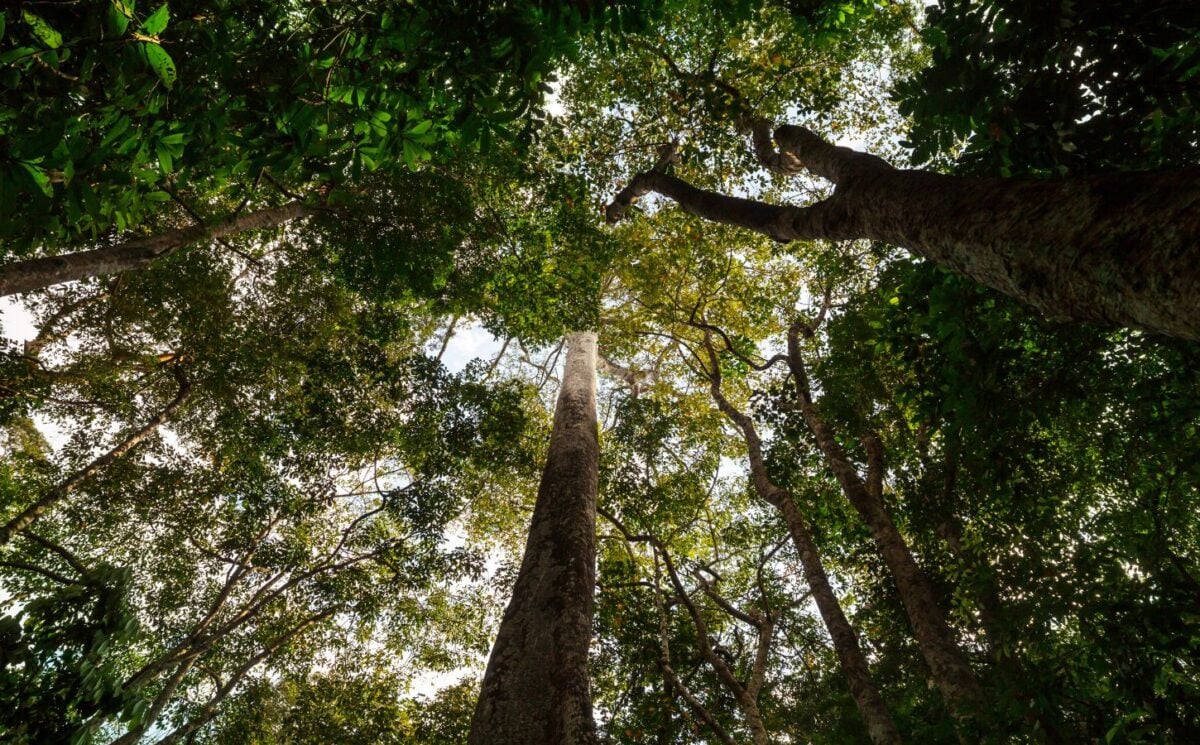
<point x="58" y="493"/>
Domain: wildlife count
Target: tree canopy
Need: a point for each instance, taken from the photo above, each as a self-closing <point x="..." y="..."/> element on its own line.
<point x="894" y="309"/>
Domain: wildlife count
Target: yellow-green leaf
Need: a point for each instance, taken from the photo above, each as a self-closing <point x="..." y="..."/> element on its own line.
<point x="42" y="30"/>
<point x="119" y="15"/>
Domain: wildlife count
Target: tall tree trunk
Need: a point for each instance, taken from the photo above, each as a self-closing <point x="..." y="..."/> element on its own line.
<point x="880" y="727"/>
<point x="948" y="665"/>
<point x="1120" y="248"/>
<point x="37" y="274"/>
<point x="536" y="690"/>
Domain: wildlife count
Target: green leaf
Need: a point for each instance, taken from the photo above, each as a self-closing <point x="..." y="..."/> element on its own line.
<point x="39" y="177"/>
<point x="161" y="63"/>
<point x="410" y="155"/>
<point x="119" y="15"/>
<point x="419" y="128"/>
<point x="16" y="54"/>
<point x="3" y="19"/>
<point x="164" y="158"/>
<point x="42" y="30"/>
<point x="414" y="153"/>
<point x="156" y="22"/>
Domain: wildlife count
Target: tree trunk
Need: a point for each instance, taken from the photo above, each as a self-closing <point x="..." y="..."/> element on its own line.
<point x="948" y="665"/>
<point x="535" y="690"/>
<point x="37" y="274"/>
<point x="880" y="727"/>
<point x="1120" y="248"/>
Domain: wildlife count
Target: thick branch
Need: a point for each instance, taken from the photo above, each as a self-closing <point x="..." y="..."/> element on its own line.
<point x="36" y="274"/>
<point x="837" y="164"/>
<point x="1116" y="248"/>
<point x="780" y="223"/>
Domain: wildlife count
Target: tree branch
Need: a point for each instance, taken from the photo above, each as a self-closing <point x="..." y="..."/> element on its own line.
<point x="35" y="510"/>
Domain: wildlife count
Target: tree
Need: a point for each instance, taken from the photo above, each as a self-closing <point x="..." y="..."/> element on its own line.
<point x="1114" y="249"/>
<point x="536" y="685"/>
<point x="273" y="100"/>
<point x="848" y="494"/>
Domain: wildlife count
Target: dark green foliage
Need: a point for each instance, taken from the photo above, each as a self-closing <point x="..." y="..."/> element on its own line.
<point x="56" y="666"/>
<point x="109" y="106"/>
<point x="399" y="238"/>
<point x="1058" y="88"/>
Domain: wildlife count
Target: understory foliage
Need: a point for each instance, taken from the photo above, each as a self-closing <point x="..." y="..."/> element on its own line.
<point x="274" y="488"/>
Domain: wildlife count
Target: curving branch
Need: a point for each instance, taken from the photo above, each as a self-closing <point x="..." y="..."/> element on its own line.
<point x="1117" y="248"/>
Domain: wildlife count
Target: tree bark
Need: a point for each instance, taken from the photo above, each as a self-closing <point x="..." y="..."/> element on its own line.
<point x="880" y="727"/>
<point x="37" y="274"/>
<point x="1120" y="248"/>
<point x="948" y="665"/>
<point x="536" y="690"/>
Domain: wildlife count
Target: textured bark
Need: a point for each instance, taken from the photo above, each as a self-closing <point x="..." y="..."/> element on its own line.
<point x="947" y="664"/>
<point x="36" y="274"/>
<point x="535" y="690"/>
<point x="60" y="492"/>
<point x="1118" y="248"/>
<point x="880" y="727"/>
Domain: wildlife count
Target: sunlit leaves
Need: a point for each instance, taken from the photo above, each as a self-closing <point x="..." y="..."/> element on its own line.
<point x="156" y="22"/>
<point x="42" y="30"/>
<point x="161" y="63"/>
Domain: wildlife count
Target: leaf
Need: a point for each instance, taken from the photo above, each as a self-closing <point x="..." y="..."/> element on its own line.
<point x="42" y="30"/>
<point x="161" y="63"/>
<point x="410" y="155"/>
<point x="164" y="158"/>
<point x="156" y="22"/>
<point x="16" y="54"/>
<point x="420" y="127"/>
<point x="414" y="153"/>
<point x="39" y="177"/>
<point x="119" y="15"/>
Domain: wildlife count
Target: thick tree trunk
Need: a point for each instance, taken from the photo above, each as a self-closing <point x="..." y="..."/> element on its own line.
<point x="880" y="727"/>
<point x="536" y="690"/>
<point x="1118" y="248"/>
<point x="37" y="274"/>
<point x="948" y="665"/>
